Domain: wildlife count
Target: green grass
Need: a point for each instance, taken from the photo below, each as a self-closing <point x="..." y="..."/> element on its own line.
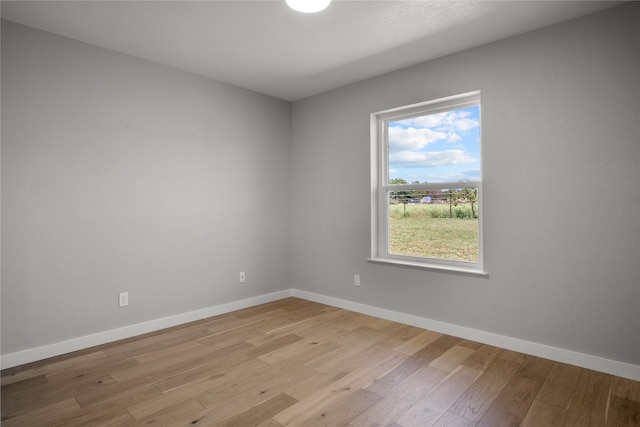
<point x="425" y="230"/>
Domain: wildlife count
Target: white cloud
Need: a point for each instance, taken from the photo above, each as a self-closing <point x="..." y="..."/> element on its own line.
<point x="412" y="138"/>
<point x="453" y="137"/>
<point x="465" y="124"/>
<point x="409" y="141"/>
<point x="412" y="159"/>
<point x="449" y="121"/>
<point x="418" y="132"/>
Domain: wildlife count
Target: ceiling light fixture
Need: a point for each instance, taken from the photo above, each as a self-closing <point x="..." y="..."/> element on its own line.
<point x="308" y="6"/>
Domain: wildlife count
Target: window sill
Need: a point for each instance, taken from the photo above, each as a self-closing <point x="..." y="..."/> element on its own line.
<point x="433" y="267"/>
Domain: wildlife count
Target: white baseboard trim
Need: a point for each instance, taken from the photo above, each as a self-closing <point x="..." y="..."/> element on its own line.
<point x="595" y="363"/>
<point x="33" y="354"/>
<point x="613" y="367"/>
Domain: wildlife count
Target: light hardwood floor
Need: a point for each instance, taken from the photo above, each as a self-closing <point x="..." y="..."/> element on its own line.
<point x="295" y="362"/>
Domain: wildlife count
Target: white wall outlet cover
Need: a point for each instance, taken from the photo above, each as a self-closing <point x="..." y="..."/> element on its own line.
<point x="123" y="299"/>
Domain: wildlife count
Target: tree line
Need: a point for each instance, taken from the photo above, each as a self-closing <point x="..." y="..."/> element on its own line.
<point x="452" y="196"/>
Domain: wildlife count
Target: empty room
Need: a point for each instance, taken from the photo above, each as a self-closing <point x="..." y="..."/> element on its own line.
<point x="370" y="213"/>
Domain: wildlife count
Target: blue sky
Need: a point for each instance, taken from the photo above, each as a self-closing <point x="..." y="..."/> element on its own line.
<point x="442" y="147"/>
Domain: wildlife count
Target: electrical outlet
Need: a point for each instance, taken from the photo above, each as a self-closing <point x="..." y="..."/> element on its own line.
<point x="123" y="299"/>
<point x="242" y="277"/>
<point x="356" y="280"/>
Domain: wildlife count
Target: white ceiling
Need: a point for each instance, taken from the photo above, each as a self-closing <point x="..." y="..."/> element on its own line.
<point x="266" y="47"/>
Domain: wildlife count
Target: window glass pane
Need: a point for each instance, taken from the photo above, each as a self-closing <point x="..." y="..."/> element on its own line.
<point x="435" y="148"/>
<point x="440" y="224"/>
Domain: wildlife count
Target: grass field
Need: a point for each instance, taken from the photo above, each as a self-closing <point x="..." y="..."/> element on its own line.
<point x="426" y="230"/>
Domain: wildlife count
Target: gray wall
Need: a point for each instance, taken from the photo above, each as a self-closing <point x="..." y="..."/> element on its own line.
<point x="561" y="163"/>
<point x="119" y="174"/>
<point x="122" y="175"/>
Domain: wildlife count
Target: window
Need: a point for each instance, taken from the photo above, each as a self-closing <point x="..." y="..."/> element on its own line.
<point x="426" y="200"/>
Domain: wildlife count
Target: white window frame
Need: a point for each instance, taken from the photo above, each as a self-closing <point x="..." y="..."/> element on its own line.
<point x="380" y="187"/>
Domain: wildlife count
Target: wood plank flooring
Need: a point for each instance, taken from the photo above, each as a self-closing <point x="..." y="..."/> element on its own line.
<point x="299" y="363"/>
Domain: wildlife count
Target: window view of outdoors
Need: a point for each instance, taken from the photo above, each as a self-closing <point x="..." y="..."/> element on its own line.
<point x="439" y="156"/>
